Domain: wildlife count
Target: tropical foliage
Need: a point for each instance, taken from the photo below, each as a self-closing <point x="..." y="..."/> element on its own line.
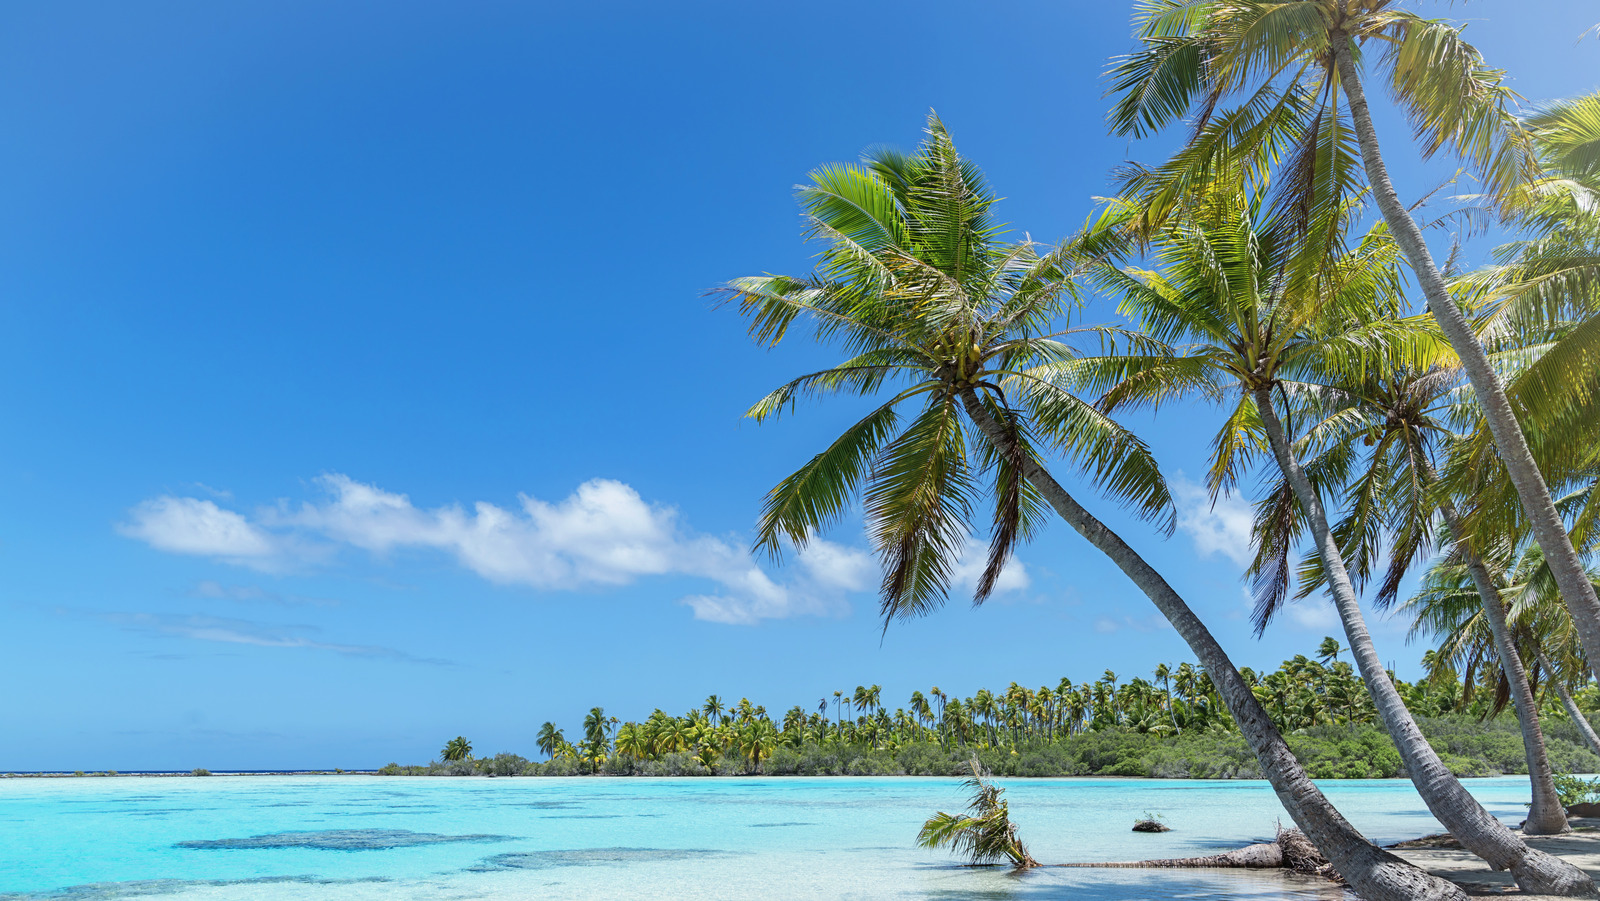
<point x="457" y="748"/>
<point x="1167" y="724"/>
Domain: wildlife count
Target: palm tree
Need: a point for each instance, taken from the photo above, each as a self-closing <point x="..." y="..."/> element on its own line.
<point x="756" y="741"/>
<point x="1329" y="650"/>
<point x="633" y="743"/>
<point x="1163" y="675"/>
<point x="1295" y="58"/>
<point x="1398" y="414"/>
<point x="1461" y="602"/>
<point x="550" y="738"/>
<point x="1268" y="317"/>
<point x="597" y="728"/>
<point x="713" y="709"/>
<point x="919" y="289"/>
<point x="593" y="753"/>
<point x="457" y="748"/>
<point x="1537" y="608"/>
<point x="983" y="705"/>
<point x="986" y="835"/>
<point x="1585" y="728"/>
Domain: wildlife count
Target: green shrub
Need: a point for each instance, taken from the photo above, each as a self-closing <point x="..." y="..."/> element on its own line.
<point x="1573" y="790"/>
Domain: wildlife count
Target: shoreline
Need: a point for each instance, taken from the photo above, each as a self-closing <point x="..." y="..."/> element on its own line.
<point x="183" y="774"/>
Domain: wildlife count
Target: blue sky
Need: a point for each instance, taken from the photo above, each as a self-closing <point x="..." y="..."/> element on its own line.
<point x="359" y="387"/>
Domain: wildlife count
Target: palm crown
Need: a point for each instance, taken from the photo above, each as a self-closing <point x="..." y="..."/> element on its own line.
<point x="936" y="309"/>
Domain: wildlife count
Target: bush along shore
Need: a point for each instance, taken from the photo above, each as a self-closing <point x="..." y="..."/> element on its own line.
<point x="1171" y="726"/>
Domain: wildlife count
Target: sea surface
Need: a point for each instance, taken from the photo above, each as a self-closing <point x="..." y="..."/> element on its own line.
<point x="333" y="838"/>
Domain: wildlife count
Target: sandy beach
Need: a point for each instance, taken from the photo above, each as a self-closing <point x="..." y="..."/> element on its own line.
<point x="1442" y="856"/>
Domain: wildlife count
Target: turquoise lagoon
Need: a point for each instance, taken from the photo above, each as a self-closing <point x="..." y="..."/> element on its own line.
<point x="331" y="838"/>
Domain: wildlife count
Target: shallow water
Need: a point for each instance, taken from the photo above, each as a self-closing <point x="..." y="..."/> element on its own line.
<point x="333" y="838"/>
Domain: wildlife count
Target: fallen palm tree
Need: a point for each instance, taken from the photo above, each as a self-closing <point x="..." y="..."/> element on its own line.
<point x="1291" y="850"/>
<point x="985" y="836"/>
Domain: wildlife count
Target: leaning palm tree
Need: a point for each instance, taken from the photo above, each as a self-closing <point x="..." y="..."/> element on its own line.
<point x="984" y="836"/>
<point x="1537" y="607"/>
<point x="1267" y="318"/>
<point x="935" y="309"/>
<point x="1395" y="501"/>
<point x="1294" y="60"/>
<point x="1451" y="606"/>
<point x="457" y="748"/>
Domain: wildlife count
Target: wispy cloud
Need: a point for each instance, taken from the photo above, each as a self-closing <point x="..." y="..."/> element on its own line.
<point x="603" y="534"/>
<point x="1154" y="622"/>
<point x="1314" y="614"/>
<point x="246" y="632"/>
<point x="211" y="589"/>
<point x="1221" y="528"/>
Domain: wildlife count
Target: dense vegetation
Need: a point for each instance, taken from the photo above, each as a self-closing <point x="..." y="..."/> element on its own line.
<point x="1170" y="726"/>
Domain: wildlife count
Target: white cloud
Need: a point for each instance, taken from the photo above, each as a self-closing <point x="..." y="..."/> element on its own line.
<point x="1315" y="614"/>
<point x="246" y="632"/>
<point x="1222" y="528"/>
<point x="186" y="525"/>
<point x="603" y="534"/>
<point x="964" y="576"/>
<point x="838" y="566"/>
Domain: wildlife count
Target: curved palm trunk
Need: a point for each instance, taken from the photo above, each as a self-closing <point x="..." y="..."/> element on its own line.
<point x="1547" y="816"/>
<point x="1373" y="872"/>
<point x="1479" y="832"/>
<point x="1548" y="530"/>
<point x="1578" y="719"/>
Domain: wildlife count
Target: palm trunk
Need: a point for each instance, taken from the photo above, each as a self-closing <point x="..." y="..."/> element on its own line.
<point x="1546" y="816"/>
<point x="1578" y="719"/>
<point x="1548" y="530"/>
<point x="1479" y="832"/>
<point x="1373" y="872"/>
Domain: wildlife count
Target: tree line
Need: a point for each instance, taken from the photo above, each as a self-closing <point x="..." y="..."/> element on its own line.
<point x="1111" y="726"/>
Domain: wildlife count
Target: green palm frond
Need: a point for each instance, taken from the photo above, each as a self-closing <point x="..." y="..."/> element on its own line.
<point x="1568" y="134"/>
<point x="919" y="501"/>
<point x="1117" y="460"/>
<point x="1455" y="100"/>
<point x="816" y="495"/>
<point x="861" y="375"/>
<point x="1159" y="83"/>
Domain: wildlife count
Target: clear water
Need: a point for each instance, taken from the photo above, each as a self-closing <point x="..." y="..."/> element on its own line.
<point x="333" y="838"/>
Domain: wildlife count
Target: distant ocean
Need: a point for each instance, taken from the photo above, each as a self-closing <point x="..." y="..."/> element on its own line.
<point x="332" y="838"/>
